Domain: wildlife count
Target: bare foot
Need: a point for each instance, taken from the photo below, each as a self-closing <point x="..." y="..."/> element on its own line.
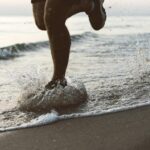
<point x="97" y="15"/>
<point x="52" y="84"/>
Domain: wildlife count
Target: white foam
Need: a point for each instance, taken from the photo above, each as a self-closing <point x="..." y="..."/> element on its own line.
<point x="39" y="121"/>
<point x="54" y="116"/>
<point x="60" y="97"/>
<point x="103" y="112"/>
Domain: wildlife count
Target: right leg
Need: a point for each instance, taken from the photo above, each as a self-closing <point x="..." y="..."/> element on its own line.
<point x="51" y="16"/>
<point x="55" y="16"/>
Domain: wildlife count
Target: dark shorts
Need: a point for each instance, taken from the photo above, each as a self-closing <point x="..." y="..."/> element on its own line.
<point x="35" y="1"/>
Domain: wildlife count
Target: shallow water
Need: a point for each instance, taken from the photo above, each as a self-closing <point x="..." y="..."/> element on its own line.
<point x="112" y="63"/>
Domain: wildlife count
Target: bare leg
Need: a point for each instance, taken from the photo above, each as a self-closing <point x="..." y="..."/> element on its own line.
<point x="51" y="16"/>
<point x="60" y="40"/>
<point x="60" y="49"/>
<point x="56" y="13"/>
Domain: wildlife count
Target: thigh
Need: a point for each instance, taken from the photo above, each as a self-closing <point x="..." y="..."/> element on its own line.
<point x="63" y="9"/>
<point x="57" y="9"/>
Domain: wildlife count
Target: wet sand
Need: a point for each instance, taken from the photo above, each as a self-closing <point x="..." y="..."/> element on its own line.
<point x="127" y="130"/>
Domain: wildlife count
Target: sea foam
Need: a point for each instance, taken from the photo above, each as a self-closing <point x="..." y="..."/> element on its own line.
<point x="44" y="100"/>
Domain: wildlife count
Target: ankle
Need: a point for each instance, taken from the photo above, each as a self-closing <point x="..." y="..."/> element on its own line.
<point x="57" y="78"/>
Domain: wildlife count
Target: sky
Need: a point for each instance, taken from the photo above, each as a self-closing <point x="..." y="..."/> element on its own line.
<point x="113" y="7"/>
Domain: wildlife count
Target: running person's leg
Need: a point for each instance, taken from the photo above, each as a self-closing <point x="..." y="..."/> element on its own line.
<point x="55" y="13"/>
<point x="97" y="16"/>
<point x="55" y="18"/>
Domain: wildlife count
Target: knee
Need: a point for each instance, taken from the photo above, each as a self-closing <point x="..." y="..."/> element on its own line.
<point x="53" y="21"/>
<point x="40" y="25"/>
<point x="39" y="15"/>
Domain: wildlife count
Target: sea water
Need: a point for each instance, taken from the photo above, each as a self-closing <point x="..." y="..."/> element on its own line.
<point x="113" y="63"/>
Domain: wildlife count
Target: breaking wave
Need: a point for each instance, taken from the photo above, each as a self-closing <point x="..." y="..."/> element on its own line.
<point x="13" y="51"/>
<point x="16" y="50"/>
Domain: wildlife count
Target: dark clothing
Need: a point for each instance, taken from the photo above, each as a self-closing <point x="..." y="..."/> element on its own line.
<point x="35" y="1"/>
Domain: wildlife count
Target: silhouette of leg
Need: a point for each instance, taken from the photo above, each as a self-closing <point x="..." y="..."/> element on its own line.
<point x="56" y="14"/>
<point x="97" y="16"/>
<point x="55" y="17"/>
<point x="51" y="16"/>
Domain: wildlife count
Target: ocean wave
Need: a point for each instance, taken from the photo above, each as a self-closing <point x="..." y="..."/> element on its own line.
<point x="52" y="117"/>
<point x="120" y="26"/>
<point x="13" y="51"/>
<point x="84" y="35"/>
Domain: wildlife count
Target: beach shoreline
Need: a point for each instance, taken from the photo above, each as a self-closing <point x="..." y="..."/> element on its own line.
<point x="125" y="130"/>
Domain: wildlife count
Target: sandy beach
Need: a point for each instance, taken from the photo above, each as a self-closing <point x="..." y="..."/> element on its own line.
<point x="127" y="130"/>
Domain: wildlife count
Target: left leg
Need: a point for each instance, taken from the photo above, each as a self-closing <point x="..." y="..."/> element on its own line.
<point x="97" y="16"/>
<point x="51" y="16"/>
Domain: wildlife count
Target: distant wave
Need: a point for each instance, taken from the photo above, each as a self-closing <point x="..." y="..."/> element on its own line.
<point x="120" y="26"/>
<point x="84" y="35"/>
<point x="13" y="51"/>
